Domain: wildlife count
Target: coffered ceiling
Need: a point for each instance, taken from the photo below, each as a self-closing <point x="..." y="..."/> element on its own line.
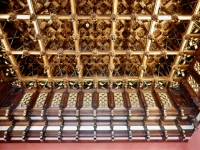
<point x="97" y="41"/>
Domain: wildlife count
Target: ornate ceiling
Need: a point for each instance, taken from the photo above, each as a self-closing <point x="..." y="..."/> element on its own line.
<point x="99" y="70"/>
<point x="97" y="41"/>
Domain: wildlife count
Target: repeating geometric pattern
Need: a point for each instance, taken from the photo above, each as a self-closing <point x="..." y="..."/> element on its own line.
<point x="56" y="100"/>
<point x="87" y="99"/>
<point x="25" y="100"/>
<point x="72" y="100"/>
<point x="165" y="100"/>
<point x="41" y="99"/>
<point x="194" y="85"/>
<point x="197" y="67"/>
<point x="134" y="100"/>
<point x="103" y="100"/>
<point x="149" y="100"/>
<point x="118" y="99"/>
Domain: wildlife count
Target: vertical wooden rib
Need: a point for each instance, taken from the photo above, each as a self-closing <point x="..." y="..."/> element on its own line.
<point x="8" y="49"/>
<point x="75" y="31"/>
<point x="184" y="41"/>
<point x="151" y="30"/>
<point x="113" y="31"/>
<point x="40" y="40"/>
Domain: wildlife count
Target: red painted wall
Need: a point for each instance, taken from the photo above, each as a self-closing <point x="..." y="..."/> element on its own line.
<point x="194" y="142"/>
<point x="93" y="146"/>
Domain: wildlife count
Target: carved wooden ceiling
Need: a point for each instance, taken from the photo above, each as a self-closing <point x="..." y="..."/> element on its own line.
<point x="81" y="41"/>
<point x="78" y="63"/>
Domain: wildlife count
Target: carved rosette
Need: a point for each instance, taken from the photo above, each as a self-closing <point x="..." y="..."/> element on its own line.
<point x="75" y="37"/>
<point x="156" y="79"/>
<point x="12" y="17"/>
<point x="143" y="67"/>
<point x="94" y="17"/>
<point x="80" y="81"/>
<point x="77" y="54"/>
<point x="50" y="80"/>
<point x="111" y="67"/>
<point x="114" y="17"/>
<point x="42" y="53"/>
<point x="8" y="53"/>
<point x="154" y="17"/>
<point x="134" y="16"/>
<point x="112" y="53"/>
<point x="125" y="82"/>
<point x="196" y="17"/>
<point x="95" y="81"/>
<point x="73" y="17"/>
<point x="95" y="53"/>
<point x="79" y="68"/>
<point x="146" y="53"/>
<point x="164" y="53"/>
<point x="65" y="79"/>
<point x="38" y="37"/>
<point x="175" y="18"/>
<point x="33" y="17"/>
<point x="35" y="78"/>
<point x="113" y="37"/>
<point x="129" y="53"/>
<point x="150" y="37"/>
<point x="140" y="79"/>
<point x="25" y="53"/>
<point x="54" y="17"/>
<point x="60" y="52"/>
<point x="181" y="53"/>
<point x="46" y="67"/>
<point x="110" y="82"/>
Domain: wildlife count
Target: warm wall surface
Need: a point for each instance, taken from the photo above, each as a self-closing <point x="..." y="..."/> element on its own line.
<point x="194" y="143"/>
<point x="93" y="146"/>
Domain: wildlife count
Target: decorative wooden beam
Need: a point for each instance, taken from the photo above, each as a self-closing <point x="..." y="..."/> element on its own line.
<point x="7" y="46"/>
<point x="150" y="38"/>
<point x="100" y="17"/>
<point x="159" y="78"/>
<point x="100" y="52"/>
<point x="113" y="18"/>
<point x="38" y="37"/>
<point x="76" y="37"/>
<point x="184" y="39"/>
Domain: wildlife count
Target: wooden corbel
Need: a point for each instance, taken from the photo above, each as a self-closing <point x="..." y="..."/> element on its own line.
<point x="182" y="132"/>
<point x="129" y="130"/>
<point x="43" y="112"/>
<point x="165" y="137"/>
<point x="61" y="130"/>
<point x="195" y="122"/>
<point x="25" y="132"/>
<point x="146" y="111"/>
<point x="42" y="133"/>
<point x="147" y="132"/>
<point x="95" y="128"/>
<point x="78" y="129"/>
<point x="8" y="131"/>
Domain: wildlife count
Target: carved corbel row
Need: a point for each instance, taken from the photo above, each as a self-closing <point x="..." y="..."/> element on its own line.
<point x="147" y="132"/>
<point x="165" y="137"/>
<point x="182" y="132"/>
<point x="8" y="131"/>
<point x="25" y="132"/>
<point x="61" y="130"/>
<point x="42" y="133"/>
